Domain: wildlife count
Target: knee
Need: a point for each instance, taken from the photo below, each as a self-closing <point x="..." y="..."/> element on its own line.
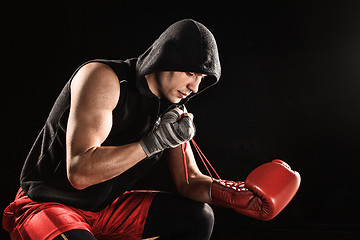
<point x="203" y="221"/>
<point x="207" y="215"/>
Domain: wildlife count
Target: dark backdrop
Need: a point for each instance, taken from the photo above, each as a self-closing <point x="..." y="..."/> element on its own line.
<point x="289" y="90"/>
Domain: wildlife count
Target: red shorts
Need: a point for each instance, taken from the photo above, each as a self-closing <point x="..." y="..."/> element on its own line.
<point x="123" y="219"/>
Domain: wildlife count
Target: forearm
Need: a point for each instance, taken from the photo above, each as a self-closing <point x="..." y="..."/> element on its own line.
<point x="99" y="164"/>
<point x="199" y="184"/>
<point x="198" y="188"/>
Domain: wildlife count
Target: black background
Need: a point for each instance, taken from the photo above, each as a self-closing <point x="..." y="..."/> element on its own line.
<point x="289" y="89"/>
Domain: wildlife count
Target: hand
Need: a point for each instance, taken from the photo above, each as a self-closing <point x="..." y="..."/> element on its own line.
<point x="266" y="191"/>
<point x="175" y="128"/>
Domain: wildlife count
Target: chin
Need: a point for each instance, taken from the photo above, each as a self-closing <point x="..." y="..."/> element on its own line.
<point x="174" y="99"/>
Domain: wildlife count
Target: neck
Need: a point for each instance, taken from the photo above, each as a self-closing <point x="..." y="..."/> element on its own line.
<point x="153" y="83"/>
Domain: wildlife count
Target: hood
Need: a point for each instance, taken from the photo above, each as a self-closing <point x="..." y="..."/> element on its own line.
<point x="185" y="46"/>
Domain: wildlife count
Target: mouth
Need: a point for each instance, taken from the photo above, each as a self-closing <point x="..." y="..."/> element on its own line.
<point x="182" y="95"/>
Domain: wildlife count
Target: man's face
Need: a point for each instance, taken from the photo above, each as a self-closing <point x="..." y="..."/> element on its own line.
<point x="175" y="86"/>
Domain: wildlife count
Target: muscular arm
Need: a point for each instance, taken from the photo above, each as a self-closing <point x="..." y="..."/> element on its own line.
<point x="95" y="91"/>
<point x="199" y="184"/>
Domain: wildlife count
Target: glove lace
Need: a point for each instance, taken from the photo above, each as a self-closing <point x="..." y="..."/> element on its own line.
<point x="237" y="186"/>
<point x="203" y="158"/>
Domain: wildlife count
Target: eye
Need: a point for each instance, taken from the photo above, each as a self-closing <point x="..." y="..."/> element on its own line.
<point x="189" y="73"/>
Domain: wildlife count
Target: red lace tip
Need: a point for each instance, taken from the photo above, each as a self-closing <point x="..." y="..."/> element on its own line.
<point x="183" y="149"/>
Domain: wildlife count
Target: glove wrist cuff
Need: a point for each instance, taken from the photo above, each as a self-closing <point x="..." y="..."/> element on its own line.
<point x="220" y="195"/>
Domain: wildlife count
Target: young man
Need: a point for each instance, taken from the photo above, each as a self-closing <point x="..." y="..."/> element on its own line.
<point x="109" y="125"/>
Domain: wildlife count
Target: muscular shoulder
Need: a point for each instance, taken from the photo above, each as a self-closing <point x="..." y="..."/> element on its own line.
<point x="96" y="84"/>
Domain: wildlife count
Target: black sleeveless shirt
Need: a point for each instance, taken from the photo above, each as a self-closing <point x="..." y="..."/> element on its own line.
<point x="44" y="177"/>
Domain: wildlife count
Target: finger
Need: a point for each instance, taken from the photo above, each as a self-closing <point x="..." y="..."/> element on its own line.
<point x="186" y="126"/>
<point x="178" y="110"/>
<point x="171" y="116"/>
<point x="186" y="114"/>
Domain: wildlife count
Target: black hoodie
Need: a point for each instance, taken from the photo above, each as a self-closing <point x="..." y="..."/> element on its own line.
<point x="185" y="46"/>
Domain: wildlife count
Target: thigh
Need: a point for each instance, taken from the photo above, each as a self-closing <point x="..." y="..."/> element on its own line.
<point x="125" y="217"/>
<point x="50" y="222"/>
<point x="175" y="217"/>
<point x="41" y="220"/>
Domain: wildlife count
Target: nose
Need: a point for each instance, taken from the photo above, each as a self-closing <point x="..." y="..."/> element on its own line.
<point x="193" y="86"/>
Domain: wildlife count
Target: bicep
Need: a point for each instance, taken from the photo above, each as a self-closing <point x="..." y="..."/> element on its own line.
<point x="94" y="94"/>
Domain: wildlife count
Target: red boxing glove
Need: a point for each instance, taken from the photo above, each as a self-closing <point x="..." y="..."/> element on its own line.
<point x="265" y="192"/>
